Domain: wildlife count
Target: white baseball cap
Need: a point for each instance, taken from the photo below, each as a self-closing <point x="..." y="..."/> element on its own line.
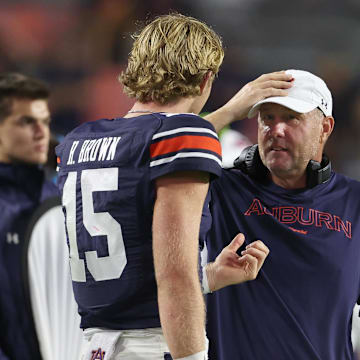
<point x="307" y="93"/>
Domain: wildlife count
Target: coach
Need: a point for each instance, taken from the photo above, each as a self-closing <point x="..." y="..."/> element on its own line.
<point x="284" y="192"/>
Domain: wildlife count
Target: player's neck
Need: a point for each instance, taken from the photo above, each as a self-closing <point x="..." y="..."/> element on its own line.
<point x="183" y="105"/>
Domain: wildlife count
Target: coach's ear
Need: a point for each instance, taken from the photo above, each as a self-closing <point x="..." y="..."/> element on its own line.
<point x="327" y="128"/>
<point x="207" y="80"/>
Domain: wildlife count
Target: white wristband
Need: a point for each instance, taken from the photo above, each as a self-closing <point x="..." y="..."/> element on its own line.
<point x="198" y="356"/>
<point x="204" y="282"/>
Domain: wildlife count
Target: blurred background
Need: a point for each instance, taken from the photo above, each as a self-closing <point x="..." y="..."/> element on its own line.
<point x="80" y="47"/>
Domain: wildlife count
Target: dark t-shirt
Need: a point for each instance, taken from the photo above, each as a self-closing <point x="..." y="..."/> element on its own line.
<point x="300" y="306"/>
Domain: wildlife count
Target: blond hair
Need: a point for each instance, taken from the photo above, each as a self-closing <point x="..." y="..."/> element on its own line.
<point x="170" y="58"/>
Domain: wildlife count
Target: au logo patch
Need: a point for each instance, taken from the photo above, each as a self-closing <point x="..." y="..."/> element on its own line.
<point x="98" y="354"/>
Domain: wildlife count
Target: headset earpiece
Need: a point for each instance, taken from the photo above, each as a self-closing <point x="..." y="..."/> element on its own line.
<point x="249" y="162"/>
<point x="318" y="173"/>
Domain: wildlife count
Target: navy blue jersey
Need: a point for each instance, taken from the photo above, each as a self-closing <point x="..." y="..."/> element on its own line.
<point x="300" y="306"/>
<point x="106" y="176"/>
<point x="22" y="190"/>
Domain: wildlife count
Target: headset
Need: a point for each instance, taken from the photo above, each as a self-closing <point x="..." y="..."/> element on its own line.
<point x="249" y="162"/>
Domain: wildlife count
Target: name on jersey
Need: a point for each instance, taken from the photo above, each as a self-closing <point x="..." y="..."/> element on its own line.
<point x="301" y="216"/>
<point x="101" y="149"/>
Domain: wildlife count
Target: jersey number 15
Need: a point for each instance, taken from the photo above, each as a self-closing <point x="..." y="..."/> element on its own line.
<point x="96" y="223"/>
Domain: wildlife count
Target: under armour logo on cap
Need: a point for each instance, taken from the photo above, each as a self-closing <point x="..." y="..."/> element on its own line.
<point x="324" y="103"/>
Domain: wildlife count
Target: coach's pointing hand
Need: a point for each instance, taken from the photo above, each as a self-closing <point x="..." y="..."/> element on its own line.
<point x="229" y="268"/>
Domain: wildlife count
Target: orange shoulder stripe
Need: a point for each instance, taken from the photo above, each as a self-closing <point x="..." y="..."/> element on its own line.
<point x="185" y="142"/>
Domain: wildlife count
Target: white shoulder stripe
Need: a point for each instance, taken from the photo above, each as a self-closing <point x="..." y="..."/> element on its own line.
<point x="184" y="129"/>
<point x="175" y="114"/>
<point x="184" y="155"/>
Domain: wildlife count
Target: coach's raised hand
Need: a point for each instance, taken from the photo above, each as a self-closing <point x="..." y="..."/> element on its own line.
<point x="237" y="108"/>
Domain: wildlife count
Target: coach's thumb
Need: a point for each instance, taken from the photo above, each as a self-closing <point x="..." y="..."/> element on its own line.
<point x="236" y="242"/>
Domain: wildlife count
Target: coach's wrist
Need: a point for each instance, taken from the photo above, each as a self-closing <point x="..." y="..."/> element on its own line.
<point x="221" y="117"/>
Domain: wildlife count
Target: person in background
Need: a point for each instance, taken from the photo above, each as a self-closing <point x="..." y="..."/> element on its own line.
<point x="232" y="143"/>
<point x="24" y="142"/>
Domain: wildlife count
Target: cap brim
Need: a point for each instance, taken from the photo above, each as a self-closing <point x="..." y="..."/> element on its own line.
<point x="287" y="101"/>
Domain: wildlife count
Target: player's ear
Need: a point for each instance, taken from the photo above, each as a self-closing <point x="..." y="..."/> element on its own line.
<point x="207" y="80"/>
